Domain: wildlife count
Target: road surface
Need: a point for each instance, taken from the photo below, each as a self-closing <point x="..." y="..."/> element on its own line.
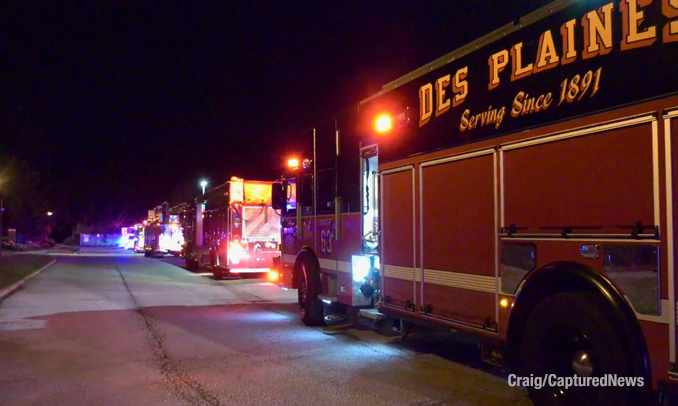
<point x="102" y="329"/>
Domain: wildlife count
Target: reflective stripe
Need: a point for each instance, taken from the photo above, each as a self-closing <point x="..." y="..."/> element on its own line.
<point x="329" y="264"/>
<point x="480" y="283"/>
<point x="344" y="266"/>
<point x="459" y="280"/>
<point x="399" y="272"/>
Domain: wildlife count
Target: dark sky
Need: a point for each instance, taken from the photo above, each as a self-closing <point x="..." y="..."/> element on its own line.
<point x="124" y="102"/>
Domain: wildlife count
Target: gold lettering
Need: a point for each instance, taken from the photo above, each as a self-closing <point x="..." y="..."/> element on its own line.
<point x="497" y="63"/>
<point x="517" y="105"/>
<point x="442" y="105"/>
<point x="569" y="50"/>
<point x="500" y="117"/>
<point x="547" y="57"/>
<point x="632" y="18"/>
<point x="425" y="104"/>
<point x="528" y="106"/>
<point x="548" y="100"/>
<point x="460" y="86"/>
<point x="464" y="120"/>
<point x="598" y="31"/>
<point x="519" y="71"/>
<point x="488" y="117"/>
<point x="538" y="104"/>
<point x="523" y="104"/>
<point x="492" y="116"/>
<point x="670" y="11"/>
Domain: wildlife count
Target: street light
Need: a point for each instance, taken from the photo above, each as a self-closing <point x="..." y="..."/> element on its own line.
<point x="49" y="213"/>
<point x="203" y="184"/>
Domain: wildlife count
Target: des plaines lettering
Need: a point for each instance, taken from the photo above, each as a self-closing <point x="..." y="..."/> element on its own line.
<point x="595" y="27"/>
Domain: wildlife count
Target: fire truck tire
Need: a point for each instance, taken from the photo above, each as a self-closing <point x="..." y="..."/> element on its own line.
<point x="310" y="307"/>
<point x="570" y="334"/>
<point x="191" y="264"/>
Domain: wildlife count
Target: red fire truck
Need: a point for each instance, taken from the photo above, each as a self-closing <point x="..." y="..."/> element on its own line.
<point x="521" y="189"/>
<point x="232" y="229"/>
<point x="162" y="232"/>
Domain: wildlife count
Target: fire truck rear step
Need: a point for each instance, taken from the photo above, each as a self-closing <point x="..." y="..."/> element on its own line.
<point x="328" y="299"/>
<point x="371" y="318"/>
<point x="492" y="355"/>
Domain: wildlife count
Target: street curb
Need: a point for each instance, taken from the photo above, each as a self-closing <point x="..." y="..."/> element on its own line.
<point x="4" y="293"/>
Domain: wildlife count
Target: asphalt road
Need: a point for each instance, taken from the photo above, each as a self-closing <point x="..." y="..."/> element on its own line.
<point x="96" y="329"/>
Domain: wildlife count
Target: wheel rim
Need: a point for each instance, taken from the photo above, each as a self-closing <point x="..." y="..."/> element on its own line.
<point x="572" y="354"/>
<point x="302" y="292"/>
<point x="581" y="364"/>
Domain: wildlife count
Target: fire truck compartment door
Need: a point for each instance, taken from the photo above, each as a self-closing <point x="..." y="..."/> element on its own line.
<point x="458" y="220"/>
<point x="397" y="244"/>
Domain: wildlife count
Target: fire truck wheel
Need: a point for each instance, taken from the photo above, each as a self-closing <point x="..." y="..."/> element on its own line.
<point x="191" y="264"/>
<point x="571" y="335"/>
<point x="310" y="307"/>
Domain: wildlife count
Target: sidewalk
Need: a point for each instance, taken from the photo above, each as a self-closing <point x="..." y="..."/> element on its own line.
<point x="16" y="266"/>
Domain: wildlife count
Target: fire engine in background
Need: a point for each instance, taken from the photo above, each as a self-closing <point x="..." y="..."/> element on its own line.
<point x="325" y="254"/>
<point x="232" y="229"/>
<point x="163" y="233"/>
<point x="129" y="237"/>
<point x="519" y="189"/>
<point x="140" y="241"/>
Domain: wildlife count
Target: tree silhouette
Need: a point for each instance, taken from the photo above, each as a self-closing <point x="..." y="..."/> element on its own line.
<point x="22" y="189"/>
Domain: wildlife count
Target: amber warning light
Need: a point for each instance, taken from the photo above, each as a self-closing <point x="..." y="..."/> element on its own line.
<point x="384" y="123"/>
<point x="293" y="163"/>
<point x="273" y="276"/>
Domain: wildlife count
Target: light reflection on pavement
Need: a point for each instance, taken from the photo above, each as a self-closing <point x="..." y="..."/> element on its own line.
<point x="129" y="330"/>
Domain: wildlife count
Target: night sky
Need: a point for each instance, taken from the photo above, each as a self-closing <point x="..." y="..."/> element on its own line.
<point x="129" y="104"/>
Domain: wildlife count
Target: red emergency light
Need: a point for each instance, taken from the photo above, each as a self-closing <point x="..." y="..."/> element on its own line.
<point x="384" y="123"/>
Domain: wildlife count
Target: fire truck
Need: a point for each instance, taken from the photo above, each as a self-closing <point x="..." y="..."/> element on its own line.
<point x="139" y="243"/>
<point x="232" y="229"/>
<point x="162" y="233"/>
<point x="519" y="189"/>
<point x="128" y="237"/>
